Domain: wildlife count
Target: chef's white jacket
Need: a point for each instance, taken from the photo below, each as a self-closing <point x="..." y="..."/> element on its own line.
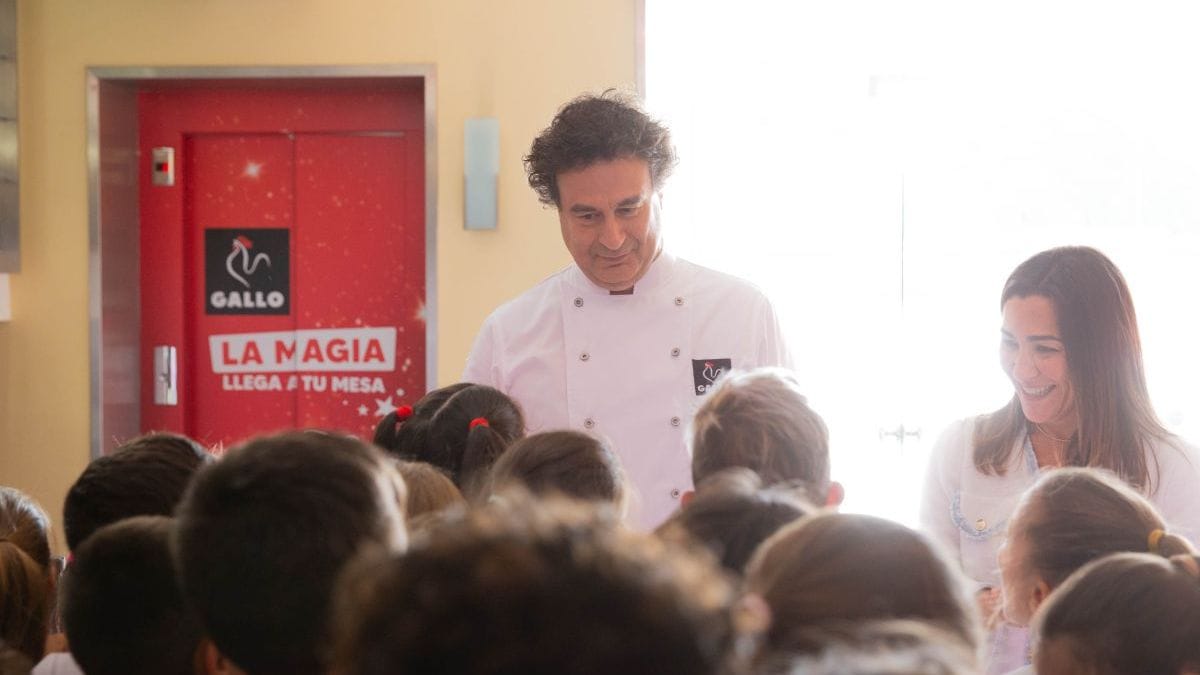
<point x="632" y="367"/>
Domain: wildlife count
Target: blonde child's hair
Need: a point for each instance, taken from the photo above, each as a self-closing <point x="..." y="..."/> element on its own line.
<point x="430" y="489"/>
<point x="760" y="420"/>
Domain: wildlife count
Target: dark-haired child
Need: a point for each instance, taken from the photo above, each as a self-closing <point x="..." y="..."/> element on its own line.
<point x="122" y="607"/>
<point x="732" y="515"/>
<point x="524" y="587"/>
<point x="262" y="534"/>
<point x="569" y="463"/>
<point x="469" y="432"/>
<point x="143" y="477"/>
<point x="404" y="432"/>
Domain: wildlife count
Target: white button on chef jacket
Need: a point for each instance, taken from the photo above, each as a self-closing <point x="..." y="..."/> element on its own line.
<point x="631" y="367"/>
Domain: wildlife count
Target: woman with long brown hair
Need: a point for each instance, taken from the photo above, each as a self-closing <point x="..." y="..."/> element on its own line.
<point x="1069" y="344"/>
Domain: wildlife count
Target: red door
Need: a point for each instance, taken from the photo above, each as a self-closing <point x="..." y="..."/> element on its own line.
<point x="285" y="264"/>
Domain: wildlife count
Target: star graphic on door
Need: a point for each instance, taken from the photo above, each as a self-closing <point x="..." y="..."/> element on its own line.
<point x="383" y="407"/>
<point x="363" y="410"/>
<point x="253" y="169"/>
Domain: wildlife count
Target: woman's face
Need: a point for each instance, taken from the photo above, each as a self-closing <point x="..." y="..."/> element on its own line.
<point x="1034" y="357"/>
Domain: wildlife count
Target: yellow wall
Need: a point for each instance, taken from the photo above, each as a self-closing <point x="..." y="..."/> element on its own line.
<point x="514" y="59"/>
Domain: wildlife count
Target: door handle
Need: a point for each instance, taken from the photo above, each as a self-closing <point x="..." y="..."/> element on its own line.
<point x="166" y="376"/>
<point x="900" y="433"/>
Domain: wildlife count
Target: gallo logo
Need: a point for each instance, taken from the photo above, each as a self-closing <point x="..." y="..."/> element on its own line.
<point x="246" y="271"/>
<point x="706" y="372"/>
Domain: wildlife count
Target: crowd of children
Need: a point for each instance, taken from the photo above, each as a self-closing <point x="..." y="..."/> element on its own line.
<point x="454" y="543"/>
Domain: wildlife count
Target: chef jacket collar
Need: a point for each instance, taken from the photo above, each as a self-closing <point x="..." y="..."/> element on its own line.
<point x="658" y="276"/>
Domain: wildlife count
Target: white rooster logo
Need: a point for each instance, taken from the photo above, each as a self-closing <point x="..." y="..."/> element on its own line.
<point x="242" y="246"/>
<point x="711" y="373"/>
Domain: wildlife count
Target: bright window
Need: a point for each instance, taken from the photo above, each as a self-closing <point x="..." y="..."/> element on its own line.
<point x="880" y="167"/>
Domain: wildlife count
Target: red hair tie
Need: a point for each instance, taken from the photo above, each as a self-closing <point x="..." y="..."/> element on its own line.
<point x="402" y="413"/>
<point x="479" y="422"/>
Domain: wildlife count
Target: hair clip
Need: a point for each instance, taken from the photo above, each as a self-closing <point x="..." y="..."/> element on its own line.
<point x="403" y="412"/>
<point x="1155" y="539"/>
<point x="479" y="422"/>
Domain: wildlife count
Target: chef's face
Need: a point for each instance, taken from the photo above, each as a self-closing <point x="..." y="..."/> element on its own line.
<point x="609" y="214"/>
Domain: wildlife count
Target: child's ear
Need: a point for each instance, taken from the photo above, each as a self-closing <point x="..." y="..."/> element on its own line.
<point x="686" y="498"/>
<point x="1040" y="591"/>
<point x="836" y="495"/>
<point x="752" y="614"/>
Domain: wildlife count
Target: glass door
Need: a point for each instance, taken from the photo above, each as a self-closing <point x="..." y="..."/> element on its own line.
<point x="880" y="168"/>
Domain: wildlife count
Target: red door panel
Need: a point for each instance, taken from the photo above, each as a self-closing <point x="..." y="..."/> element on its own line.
<point x="238" y="189"/>
<point x="287" y="262"/>
<point x="360" y="263"/>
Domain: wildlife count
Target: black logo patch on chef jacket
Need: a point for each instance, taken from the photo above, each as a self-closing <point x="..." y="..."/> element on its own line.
<point x="706" y="371"/>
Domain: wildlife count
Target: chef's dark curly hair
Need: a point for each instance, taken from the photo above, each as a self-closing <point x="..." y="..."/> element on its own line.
<point x="595" y="128"/>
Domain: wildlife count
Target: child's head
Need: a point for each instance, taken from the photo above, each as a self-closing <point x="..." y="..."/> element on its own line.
<point x="121" y="603"/>
<point x="570" y="463"/>
<point x="1125" y="614"/>
<point x="833" y="568"/>
<point x="470" y="431"/>
<point x="262" y="534"/>
<point x="144" y="477"/>
<point x="887" y="647"/>
<point x="732" y="514"/>
<point x="404" y="432"/>
<point x="761" y="421"/>
<point x="524" y="587"/>
<point x="25" y="595"/>
<point x="430" y="490"/>
<point x="1070" y="517"/>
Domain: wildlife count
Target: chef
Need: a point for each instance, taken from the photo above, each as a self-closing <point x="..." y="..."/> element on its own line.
<point x="625" y="341"/>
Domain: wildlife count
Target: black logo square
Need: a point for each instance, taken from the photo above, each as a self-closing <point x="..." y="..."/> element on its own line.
<point x="246" y="271"/>
<point x="705" y="372"/>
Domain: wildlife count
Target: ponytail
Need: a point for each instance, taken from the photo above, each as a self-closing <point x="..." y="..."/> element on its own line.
<point x="1168" y="545"/>
<point x="24" y="601"/>
<point x="388" y="431"/>
<point x="404" y="432"/>
<point x="470" y="431"/>
<point x="483" y="448"/>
